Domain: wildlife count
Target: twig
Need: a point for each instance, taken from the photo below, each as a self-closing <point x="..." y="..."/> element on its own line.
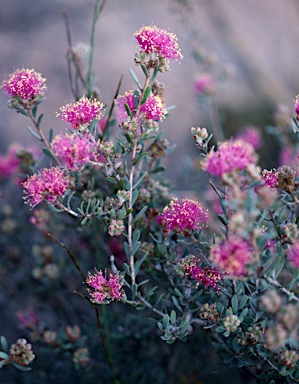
<point x="113" y="103"/>
<point x="102" y="338"/>
<point x="276" y="284"/>
<point x="69" y="253"/>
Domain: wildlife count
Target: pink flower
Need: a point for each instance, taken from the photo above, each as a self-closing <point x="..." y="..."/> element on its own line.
<point x="251" y="135"/>
<point x="105" y="289"/>
<point x="74" y="150"/>
<point x="232" y="155"/>
<point x="25" y="84"/>
<point x="232" y="256"/>
<point x="81" y="113"/>
<point x="297" y="105"/>
<point x="154" y="40"/>
<point x="204" y="84"/>
<point x="293" y="254"/>
<point x="183" y="216"/>
<point x="271" y="178"/>
<point x="48" y="184"/>
<point x="152" y="109"/>
<point x="9" y="163"/>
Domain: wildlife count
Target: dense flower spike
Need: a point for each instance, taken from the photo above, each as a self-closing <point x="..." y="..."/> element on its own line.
<point x="105" y="289"/>
<point x="155" y="40"/>
<point x="25" y="84"/>
<point x="9" y="163"/>
<point x="152" y="109"/>
<point x="271" y="178"/>
<point x="232" y="256"/>
<point x="183" y="216"/>
<point x="81" y="113"/>
<point x="74" y="150"/>
<point x="232" y="155"/>
<point x="48" y="184"/>
<point x="21" y="352"/>
<point x="207" y="276"/>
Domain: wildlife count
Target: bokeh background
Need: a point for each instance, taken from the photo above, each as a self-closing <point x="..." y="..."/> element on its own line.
<point x="257" y="42"/>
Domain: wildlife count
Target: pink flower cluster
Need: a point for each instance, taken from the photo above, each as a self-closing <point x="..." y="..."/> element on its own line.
<point x="183" y="216"/>
<point x="48" y="184"/>
<point x="81" y="113"/>
<point x="75" y="150"/>
<point x="232" y="256"/>
<point x="9" y="163"/>
<point x="105" y="289"/>
<point x="207" y="276"/>
<point x="25" y="84"/>
<point x="232" y="155"/>
<point x="251" y="135"/>
<point x="204" y="84"/>
<point x="289" y="156"/>
<point x="293" y="254"/>
<point x="155" y="40"/>
<point x="152" y="109"/>
<point x="271" y="178"/>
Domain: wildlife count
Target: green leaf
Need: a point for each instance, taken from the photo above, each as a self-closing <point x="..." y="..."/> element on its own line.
<point x="34" y="134"/>
<point x="127" y="251"/>
<point x="134" y="196"/>
<point x="39" y="120"/>
<point x="154" y="74"/>
<point x="48" y="152"/>
<point x="134" y="77"/>
<point x="176" y="303"/>
<point x="138" y="263"/>
<point x="235" y="305"/>
<point x="145" y="71"/>
<point x="127" y="269"/>
<point x="146" y="95"/>
<point x="51" y="135"/>
<point x="140" y="180"/>
<point x="128" y="111"/>
<point x="173" y="317"/>
<point x="137" y="217"/>
<point x="134" y="291"/>
<point x="3" y="355"/>
<point x="165" y="321"/>
<point x="136" y="247"/>
<point x="139" y="158"/>
<point x="4" y="344"/>
<point x="158" y="169"/>
<point x="136" y="236"/>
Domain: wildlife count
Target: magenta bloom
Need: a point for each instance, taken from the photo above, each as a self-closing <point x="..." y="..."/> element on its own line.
<point x="152" y="109"/>
<point x="81" y="113"/>
<point x="74" y="150"/>
<point x="155" y="40"/>
<point x="251" y="135"/>
<point x="289" y="156"/>
<point x="297" y="105"/>
<point x="232" y="155"/>
<point x="48" y="184"/>
<point x="209" y="277"/>
<point x="25" y="84"/>
<point x="9" y="163"/>
<point x="105" y="289"/>
<point x="204" y="84"/>
<point x="183" y="216"/>
<point x="271" y="178"/>
<point x="293" y="254"/>
<point x="232" y="256"/>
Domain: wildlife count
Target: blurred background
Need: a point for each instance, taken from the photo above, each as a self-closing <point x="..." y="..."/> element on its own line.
<point x="254" y="43"/>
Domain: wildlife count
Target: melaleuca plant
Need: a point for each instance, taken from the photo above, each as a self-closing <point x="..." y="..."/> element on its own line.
<point x="228" y="266"/>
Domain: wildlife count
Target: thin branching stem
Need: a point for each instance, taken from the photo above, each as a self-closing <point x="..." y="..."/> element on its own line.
<point x="42" y="136"/>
